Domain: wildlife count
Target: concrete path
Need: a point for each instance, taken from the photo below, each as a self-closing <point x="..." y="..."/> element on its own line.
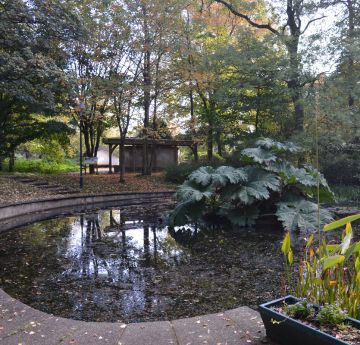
<point x="23" y="325"/>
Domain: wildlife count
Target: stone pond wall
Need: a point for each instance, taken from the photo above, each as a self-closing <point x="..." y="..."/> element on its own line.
<point x="19" y="214"/>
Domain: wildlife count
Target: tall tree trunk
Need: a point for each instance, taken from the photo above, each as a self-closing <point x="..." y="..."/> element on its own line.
<point x="210" y="141"/>
<point x="193" y="124"/>
<point x="257" y="115"/>
<point x="191" y="91"/>
<point x="294" y="82"/>
<point x="219" y="144"/>
<point x="210" y="138"/>
<point x="351" y="36"/>
<point x="122" y="160"/>
<point x="12" y="161"/>
<point x="92" y="137"/>
<point x="146" y="89"/>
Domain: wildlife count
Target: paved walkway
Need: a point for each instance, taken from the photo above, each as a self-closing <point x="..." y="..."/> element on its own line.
<point x="23" y="325"/>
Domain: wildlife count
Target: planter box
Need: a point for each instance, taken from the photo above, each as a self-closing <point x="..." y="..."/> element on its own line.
<point x="285" y="330"/>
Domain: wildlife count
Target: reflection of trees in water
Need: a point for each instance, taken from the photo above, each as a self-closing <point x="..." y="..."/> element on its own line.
<point x="106" y="247"/>
<point x="111" y="266"/>
<point x="109" y="261"/>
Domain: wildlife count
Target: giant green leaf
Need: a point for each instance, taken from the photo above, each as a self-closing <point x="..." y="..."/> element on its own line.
<point x="225" y="174"/>
<point x="190" y="191"/>
<point x="202" y="176"/>
<point x="278" y="146"/>
<point x="219" y="177"/>
<point x="185" y="212"/>
<point x="257" y="187"/>
<point x="259" y="155"/>
<point x="301" y="214"/>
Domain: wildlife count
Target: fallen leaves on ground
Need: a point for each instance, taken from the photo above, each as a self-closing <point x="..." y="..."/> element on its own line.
<point x="15" y="191"/>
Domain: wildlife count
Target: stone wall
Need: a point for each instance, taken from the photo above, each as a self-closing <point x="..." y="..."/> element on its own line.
<point x="14" y="215"/>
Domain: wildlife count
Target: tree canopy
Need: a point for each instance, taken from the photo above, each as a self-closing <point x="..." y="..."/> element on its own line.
<point x="220" y="72"/>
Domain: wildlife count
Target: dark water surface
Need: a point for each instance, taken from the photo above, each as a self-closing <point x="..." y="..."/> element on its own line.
<point x="125" y="265"/>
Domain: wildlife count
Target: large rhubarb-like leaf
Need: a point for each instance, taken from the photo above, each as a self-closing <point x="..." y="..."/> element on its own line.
<point x="301" y="214"/>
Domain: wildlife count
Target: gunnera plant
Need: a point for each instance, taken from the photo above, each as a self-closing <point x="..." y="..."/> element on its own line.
<point x="267" y="183"/>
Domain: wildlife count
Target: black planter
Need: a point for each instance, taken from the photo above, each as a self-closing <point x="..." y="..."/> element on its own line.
<point x="287" y="331"/>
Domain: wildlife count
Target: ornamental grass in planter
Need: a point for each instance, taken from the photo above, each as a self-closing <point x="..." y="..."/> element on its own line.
<point x="326" y="309"/>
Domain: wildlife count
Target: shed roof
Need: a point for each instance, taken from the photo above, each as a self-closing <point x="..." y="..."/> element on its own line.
<point x="140" y="142"/>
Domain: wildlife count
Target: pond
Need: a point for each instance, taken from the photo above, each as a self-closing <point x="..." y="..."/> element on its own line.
<point x="126" y="265"/>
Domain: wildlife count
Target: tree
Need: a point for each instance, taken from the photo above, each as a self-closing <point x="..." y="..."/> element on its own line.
<point x="156" y="23"/>
<point x="32" y="56"/>
<point x="93" y="58"/>
<point x="124" y="90"/>
<point x="229" y="79"/>
<point x="289" y="34"/>
<point x="346" y="43"/>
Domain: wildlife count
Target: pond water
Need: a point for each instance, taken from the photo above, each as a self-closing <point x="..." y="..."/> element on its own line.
<point x="126" y="265"/>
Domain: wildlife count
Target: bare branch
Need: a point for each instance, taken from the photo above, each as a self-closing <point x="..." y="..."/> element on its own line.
<point x="247" y="18"/>
<point x="312" y="21"/>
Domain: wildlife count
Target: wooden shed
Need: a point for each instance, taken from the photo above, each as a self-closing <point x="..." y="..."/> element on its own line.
<point x="163" y="152"/>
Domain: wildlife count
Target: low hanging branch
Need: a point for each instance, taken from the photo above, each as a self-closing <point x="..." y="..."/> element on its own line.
<point x="248" y="19"/>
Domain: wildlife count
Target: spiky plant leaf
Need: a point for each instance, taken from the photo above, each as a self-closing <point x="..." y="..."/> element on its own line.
<point x="296" y="214"/>
<point x="206" y="176"/>
<point x="202" y="176"/>
<point x="317" y="175"/>
<point x="259" y="155"/>
<point x="257" y="176"/>
<point x="292" y="175"/>
<point x="305" y="178"/>
<point x="225" y="174"/>
<point x="257" y="187"/>
<point x="269" y="144"/>
<point x="189" y="191"/>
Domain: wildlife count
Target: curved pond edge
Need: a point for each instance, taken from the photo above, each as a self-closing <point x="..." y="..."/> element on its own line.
<point x="22" y="213"/>
<point x="21" y="324"/>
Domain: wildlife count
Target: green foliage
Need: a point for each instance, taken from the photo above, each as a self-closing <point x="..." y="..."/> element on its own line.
<point x="329" y="274"/>
<point x="267" y="182"/>
<point x="33" y="80"/>
<point x="43" y="166"/>
<point x="300" y="310"/>
<point x="346" y="193"/>
<point x="278" y="147"/>
<point x="331" y="315"/>
<point x="180" y="172"/>
<point x="300" y="213"/>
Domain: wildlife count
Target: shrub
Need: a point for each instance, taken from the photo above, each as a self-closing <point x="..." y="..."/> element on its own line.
<point x="179" y="173"/>
<point x="331" y="314"/>
<point x="267" y="183"/>
<point x="300" y="310"/>
<point x="44" y="167"/>
<point x="347" y="193"/>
